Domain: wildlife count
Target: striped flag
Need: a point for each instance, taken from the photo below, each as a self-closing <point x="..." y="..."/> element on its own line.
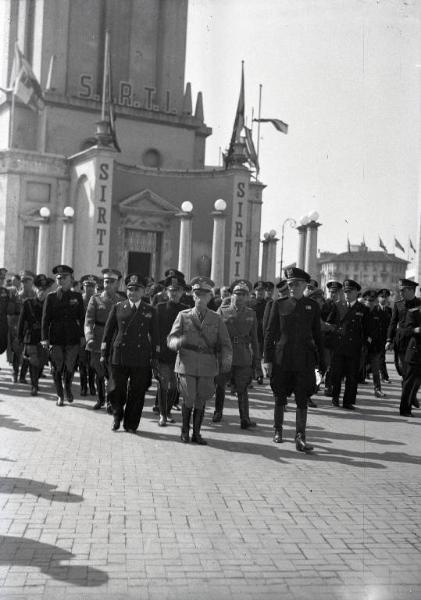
<point x="25" y="84"/>
<point x="277" y="123"/>
<point x="399" y="246"/>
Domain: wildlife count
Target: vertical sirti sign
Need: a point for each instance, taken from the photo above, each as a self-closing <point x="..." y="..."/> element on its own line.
<point x="104" y="180"/>
<point x="238" y="231"/>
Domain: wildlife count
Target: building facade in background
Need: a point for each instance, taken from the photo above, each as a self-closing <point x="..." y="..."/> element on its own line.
<point x="126" y="205"/>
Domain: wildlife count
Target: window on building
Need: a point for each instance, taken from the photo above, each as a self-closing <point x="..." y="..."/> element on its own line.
<point x="152" y="158"/>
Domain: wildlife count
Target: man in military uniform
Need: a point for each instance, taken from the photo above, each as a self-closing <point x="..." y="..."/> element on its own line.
<point x="241" y="323"/>
<point x="62" y="330"/>
<point x="375" y="339"/>
<point x="29" y="331"/>
<point x="26" y="291"/>
<point x="167" y="313"/>
<point x="86" y="372"/>
<point x="14" y="350"/>
<point x="283" y="292"/>
<point x="97" y="312"/>
<point x="412" y="372"/>
<point x="259" y="305"/>
<point x="200" y="338"/>
<point x="131" y="340"/>
<point x="351" y="336"/>
<point x="397" y="335"/>
<point x="4" y="304"/>
<point x="386" y="312"/>
<point x="292" y="350"/>
<point x="330" y="314"/>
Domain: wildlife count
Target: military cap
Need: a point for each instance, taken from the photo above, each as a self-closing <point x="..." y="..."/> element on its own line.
<point x="269" y="286"/>
<point x="316" y="293"/>
<point x="41" y="281"/>
<point x="350" y="284"/>
<point x="174" y="273"/>
<point x="3" y="272"/>
<point x="88" y="280"/>
<point x="241" y="286"/>
<point x="370" y="293"/>
<point x="156" y="288"/>
<point x="292" y="273"/>
<point x="259" y="285"/>
<point x="334" y="285"/>
<point x="282" y="285"/>
<point x="109" y="273"/>
<point x="403" y="283"/>
<point x="62" y="270"/>
<point x="50" y="281"/>
<point x="174" y="282"/>
<point x="313" y="283"/>
<point x="384" y="292"/>
<point x="135" y="280"/>
<point x="27" y="275"/>
<point x="203" y="284"/>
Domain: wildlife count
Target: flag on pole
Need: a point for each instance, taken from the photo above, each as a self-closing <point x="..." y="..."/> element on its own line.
<point x="349" y="245"/>
<point x="381" y="244"/>
<point x="239" y="120"/>
<point x="411" y="245"/>
<point x="399" y="246"/>
<point x="107" y="107"/>
<point x="24" y="83"/>
<point x="251" y="151"/>
<point x="277" y="123"/>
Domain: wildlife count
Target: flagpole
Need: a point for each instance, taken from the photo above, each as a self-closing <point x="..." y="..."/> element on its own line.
<point x="258" y="122"/>
<point x="12" y="121"/>
<point x="105" y="74"/>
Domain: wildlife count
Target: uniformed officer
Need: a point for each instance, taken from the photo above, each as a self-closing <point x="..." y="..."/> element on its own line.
<point x="292" y="349"/>
<point x="26" y="291"/>
<point x="131" y="339"/>
<point x="29" y="331"/>
<point x="330" y="314"/>
<point x="311" y="286"/>
<point x="350" y="338"/>
<point x="97" y="312"/>
<point x="86" y="372"/>
<point x="62" y="330"/>
<point x="383" y="300"/>
<point x="375" y="338"/>
<point x="14" y="349"/>
<point x="201" y="340"/>
<point x="259" y="305"/>
<point x="4" y="303"/>
<point x="412" y="371"/>
<point x="283" y="292"/>
<point x="167" y="313"/>
<point x="241" y="323"/>
<point x="397" y="336"/>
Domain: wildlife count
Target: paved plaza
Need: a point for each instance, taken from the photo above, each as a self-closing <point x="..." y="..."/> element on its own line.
<point x="88" y="513"/>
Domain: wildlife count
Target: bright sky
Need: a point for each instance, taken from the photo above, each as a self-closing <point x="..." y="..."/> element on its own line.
<point x="345" y="75"/>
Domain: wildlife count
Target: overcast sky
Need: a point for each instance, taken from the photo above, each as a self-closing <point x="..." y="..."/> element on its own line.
<point x="345" y="75"/>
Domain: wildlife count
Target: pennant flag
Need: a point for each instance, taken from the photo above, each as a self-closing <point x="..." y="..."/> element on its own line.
<point x="24" y="83"/>
<point x="411" y="245"/>
<point x="238" y="122"/>
<point x="277" y="123"/>
<point x="399" y="246"/>
<point x="349" y="246"/>
<point x="381" y="244"/>
<point x="107" y="109"/>
<point x="251" y="151"/>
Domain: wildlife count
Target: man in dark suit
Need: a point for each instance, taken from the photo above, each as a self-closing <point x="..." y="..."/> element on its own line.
<point x="386" y="312"/>
<point x="330" y="315"/>
<point x="412" y="374"/>
<point x="131" y="338"/>
<point x="292" y="348"/>
<point x="62" y="330"/>
<point x="375" y="338"/>
<point x="259" y="305"/>
<point x="351" y="336"/>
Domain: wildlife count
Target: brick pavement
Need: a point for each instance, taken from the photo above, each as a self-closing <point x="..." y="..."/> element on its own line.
<point x="87" y="513"/>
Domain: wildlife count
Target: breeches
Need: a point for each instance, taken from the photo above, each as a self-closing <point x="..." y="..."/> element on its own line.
<point x="168" y="377"/>
<point x="36" y="355"/>
<point x="64" y="357"/>
<point x="196" y="390"/>
<point x="284" y="383"/>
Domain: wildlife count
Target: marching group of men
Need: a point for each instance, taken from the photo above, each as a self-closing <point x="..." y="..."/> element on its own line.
<point x="196" y="342"/>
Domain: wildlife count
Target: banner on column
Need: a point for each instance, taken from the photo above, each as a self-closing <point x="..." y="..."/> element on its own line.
<point x="239" y="229"/>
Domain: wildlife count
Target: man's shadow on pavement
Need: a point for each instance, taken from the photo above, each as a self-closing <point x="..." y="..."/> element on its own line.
<point x="21" y="551"/>
<point x="40" y="489"/>
<point x="11" y="423"/>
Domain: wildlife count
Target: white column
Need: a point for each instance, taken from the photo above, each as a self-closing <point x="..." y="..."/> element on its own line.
<point x="271" y="259"/>
<point x="43" y="246"/>
<point x="265" y="256"/>
<point x="184" y="249"/>
<point x="302" y="243"/>
<point x="67" y="242"/>
<point x="311" y="250"/>
<point x="218" y="244"/>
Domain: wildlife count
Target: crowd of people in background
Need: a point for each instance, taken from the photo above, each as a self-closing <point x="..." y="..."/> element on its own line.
<point x="198" y="341"/>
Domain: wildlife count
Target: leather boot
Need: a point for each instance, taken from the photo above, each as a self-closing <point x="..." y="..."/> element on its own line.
<point x="300" y="436"/>
<point x="23" y="371"/>
<point x="219" y="403"/>
<point x="171" y="394"/>
<point x="68" y="387"/>
<point x="83" y="380"/>
<point x="33" y="373"/>
<point x="243" y="405"/>
<point x="100" y="386"/>
<point x="59" y="388"/>
<point x="162" y="400"/>
<point x="185" y="427"/>
<point x="197" y="423"/>
<point x="91" y="381"/>
<point x="278" y="424"/>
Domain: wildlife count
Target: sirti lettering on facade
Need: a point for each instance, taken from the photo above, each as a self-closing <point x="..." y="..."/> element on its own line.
<point x="103" y="214"/>
<point x="239" y="228"/>
<point x="126" y="95"/>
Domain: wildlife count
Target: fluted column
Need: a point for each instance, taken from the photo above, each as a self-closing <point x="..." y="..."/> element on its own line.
<point x="43" y="245"/>
<point x="218" y="246"/>
<point x="184" y="249"/>
<point x="271" y="260"/>
<point x="302" y="243"/>
<point x="311" y="249"/>
<point x="67" y="237"/>
<point x="265" y="255"/>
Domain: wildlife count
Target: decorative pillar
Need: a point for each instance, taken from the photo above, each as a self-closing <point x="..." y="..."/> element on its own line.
<point x="265" y="254"/>
<point x="218" y="243"/>
<point x="311" y="250"/>
<point x="67" y="237"/>
<point x="43" y="240"/>
<point x="184" y="249"/>
<point x="302" y="242"/>
<point x="269" y="256"/>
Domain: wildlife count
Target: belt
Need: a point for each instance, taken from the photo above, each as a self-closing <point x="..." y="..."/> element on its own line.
<point x="200" y="349"/>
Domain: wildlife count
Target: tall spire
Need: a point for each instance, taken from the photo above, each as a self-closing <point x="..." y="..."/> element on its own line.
<point x="198" y="113"/>
<point x="236" y="154"/>
<point x="187" y="102"/>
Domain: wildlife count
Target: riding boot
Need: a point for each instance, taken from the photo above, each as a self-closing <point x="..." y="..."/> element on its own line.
<point x="34" y="373"/>
<point x="162" y="399"/>
<point x="83" y="380"/>
<point x="68" y="386"/>
<point x="278" y="422"/>
<point x="300" y="426"/>
<point x="59" y="388"/>
<point x="171" y="394"/>
<point x="23" y="371"/>
<point x="243" y="405"/>
<point x="100" y="386"/>
<point x="197" y="423"/>
<point x="185" y="427"/>
<point x="219" y="403"/>
<point x="15" y="365"/>
<point x="91" y="381"/>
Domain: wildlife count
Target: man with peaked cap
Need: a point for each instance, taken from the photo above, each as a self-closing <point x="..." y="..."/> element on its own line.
<point x="383" y="296"/>
<point x="311" y="286"/>
<point x="201" y="340"/>
<point x="167" y="313"/>
<point x="398" y="335"/>
<point x="86" y="372"/>
<point x="97" y="311"/>
<point x="283" y="292"/>
<point x="293" y="349"/>
<point x="130" y="343"/>
<point x="375" y="338"/>
<point x="62" y="331"/>
<point x="4" y="304"/>
<point x="350" y="339"/>
<point x="259" y="305"/>
<point x="29" y="331"/>
<point x="25" y="291"/>
<point x="412" y="370"/>
<point x="269" y="289"/>
<point x="241" y="323"/>
<point x="330" y="315"/>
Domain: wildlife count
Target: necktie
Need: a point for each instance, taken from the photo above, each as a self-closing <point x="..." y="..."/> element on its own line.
<point x="134" y="309"/>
